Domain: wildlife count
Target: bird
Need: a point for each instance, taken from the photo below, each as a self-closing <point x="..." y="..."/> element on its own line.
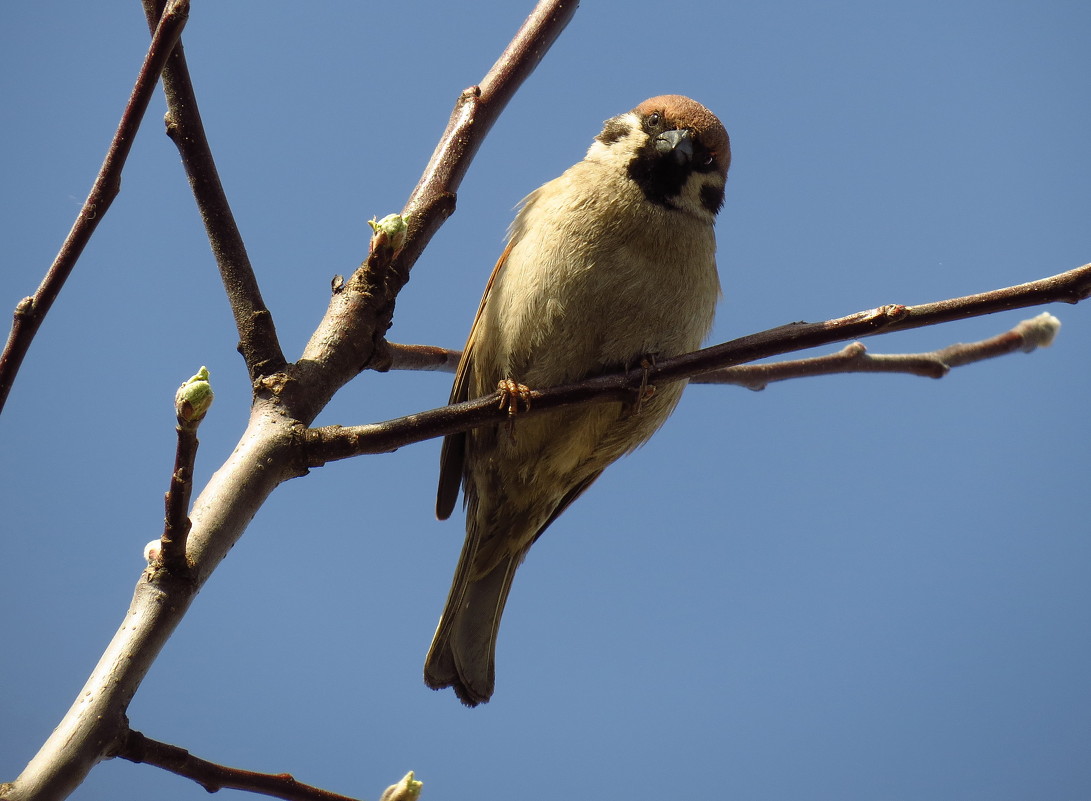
<point x="606" y="268"/>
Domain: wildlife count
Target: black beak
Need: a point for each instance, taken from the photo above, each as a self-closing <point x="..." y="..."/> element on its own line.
<point x="678" y="145"/>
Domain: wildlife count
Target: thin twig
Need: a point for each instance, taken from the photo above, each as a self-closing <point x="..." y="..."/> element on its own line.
<point x="214" y="777"/>
<point x="341" y="442"/>
<point x="191" y="403"/>
<point x="176" y="524"/>
<point x="854" y="358"/>
<point x="258" y="341"/>
<point x="31" y="311"/>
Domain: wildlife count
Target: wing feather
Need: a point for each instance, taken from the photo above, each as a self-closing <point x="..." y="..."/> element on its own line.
<point x="452" y="456"/>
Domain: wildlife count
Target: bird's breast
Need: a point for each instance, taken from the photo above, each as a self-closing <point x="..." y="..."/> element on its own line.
<point x="588" y="287"/>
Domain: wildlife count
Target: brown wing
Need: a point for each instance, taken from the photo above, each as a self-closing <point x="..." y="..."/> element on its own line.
<point x="453" y="454"/>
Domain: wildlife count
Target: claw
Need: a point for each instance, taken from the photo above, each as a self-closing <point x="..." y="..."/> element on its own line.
<point x="512" y="394"/>
<point x="646" y="390"/>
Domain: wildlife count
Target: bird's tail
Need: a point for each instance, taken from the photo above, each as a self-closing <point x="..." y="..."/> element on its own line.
<point x="463" y="649"/>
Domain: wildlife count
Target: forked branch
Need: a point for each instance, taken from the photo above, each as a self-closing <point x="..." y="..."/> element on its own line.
<point x="853" y="358"/>
<point x="258" y="341"/>
<point x="276" y="445"/>
<point x="1027" y="336"/>
<point x="269" y="451"/>
<point x="341" y="442"/>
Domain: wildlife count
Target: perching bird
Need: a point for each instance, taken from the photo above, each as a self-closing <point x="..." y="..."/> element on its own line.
<point x="609" y="265"/>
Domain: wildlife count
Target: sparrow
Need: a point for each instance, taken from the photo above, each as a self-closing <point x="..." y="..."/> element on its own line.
<point x="606" y="267"/>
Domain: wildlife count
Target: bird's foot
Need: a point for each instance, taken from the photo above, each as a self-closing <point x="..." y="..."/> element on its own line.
<point x="646" y="390"/>
<point x="512" y="393"/>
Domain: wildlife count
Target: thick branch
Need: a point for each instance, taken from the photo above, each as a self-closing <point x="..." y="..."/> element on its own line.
<point x="31" y="311"/>
<point x="258" y="341"/>
<point x="359" y="314"/>
<point x="95" y="723"/>
<point x="341" y="442"/>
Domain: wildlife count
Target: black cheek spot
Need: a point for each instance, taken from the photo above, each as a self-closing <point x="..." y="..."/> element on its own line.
<point x="614" y="130"/>
<point x="659" y="179"/>
<point x="712" y="197"/>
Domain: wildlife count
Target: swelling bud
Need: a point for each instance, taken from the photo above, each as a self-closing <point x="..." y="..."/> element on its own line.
<point x="389" y="231"/>
<point x="408" y="789"/>
<point x="193" y="398"/>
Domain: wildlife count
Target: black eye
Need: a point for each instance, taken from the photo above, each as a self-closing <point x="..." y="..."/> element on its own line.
<point x="653" y="119"/>
<point x="708" y="159"/>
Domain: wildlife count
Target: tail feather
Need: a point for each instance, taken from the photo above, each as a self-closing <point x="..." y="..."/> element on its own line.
<point x="463" y="651"/>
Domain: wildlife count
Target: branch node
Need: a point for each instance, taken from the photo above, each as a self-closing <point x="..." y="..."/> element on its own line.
<point x="382" y="359"/>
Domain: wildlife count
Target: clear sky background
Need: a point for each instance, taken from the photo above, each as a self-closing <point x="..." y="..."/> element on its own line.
<point x="862" y="587"/>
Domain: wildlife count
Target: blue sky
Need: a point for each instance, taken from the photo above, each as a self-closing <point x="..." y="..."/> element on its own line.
<point x="854" y="587"/>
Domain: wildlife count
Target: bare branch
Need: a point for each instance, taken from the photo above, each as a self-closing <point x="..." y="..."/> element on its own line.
<point x="214" y="777"/>
<point x="422" y="357"/>
<point x="854" y="358"/>
<point x="341" y="442"/>
<point x="349" y="336"/>
<point x="176" y="523"/>
<point x="31" y="311"/>
<point x="95" y="724"/>
<point x="476" y="111"/>
<point x="276" y="446"/>
<point x="258" y="341"/>
<point x="270" y="450"/>
<point x="1067" y="287"/>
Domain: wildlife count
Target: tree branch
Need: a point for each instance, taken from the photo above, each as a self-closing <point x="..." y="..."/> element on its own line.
<point x="422" y="357"/>
<point x="476" y="111"/>
<point x="349" y="336"/>
<point x="176" y="523"/>
<point x="1067" y="287"/>
<point x="191" y="403"/>
<point x="276" y="446"/>
<point x="95" y="723"/>
<point x="258" y="341"/>
<point x="854" y="358"/>
<point x="214" y="777"/>
<point x="271" y="449"/>
<point x="31" y="311"/>
<point x="332" y="443"/>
